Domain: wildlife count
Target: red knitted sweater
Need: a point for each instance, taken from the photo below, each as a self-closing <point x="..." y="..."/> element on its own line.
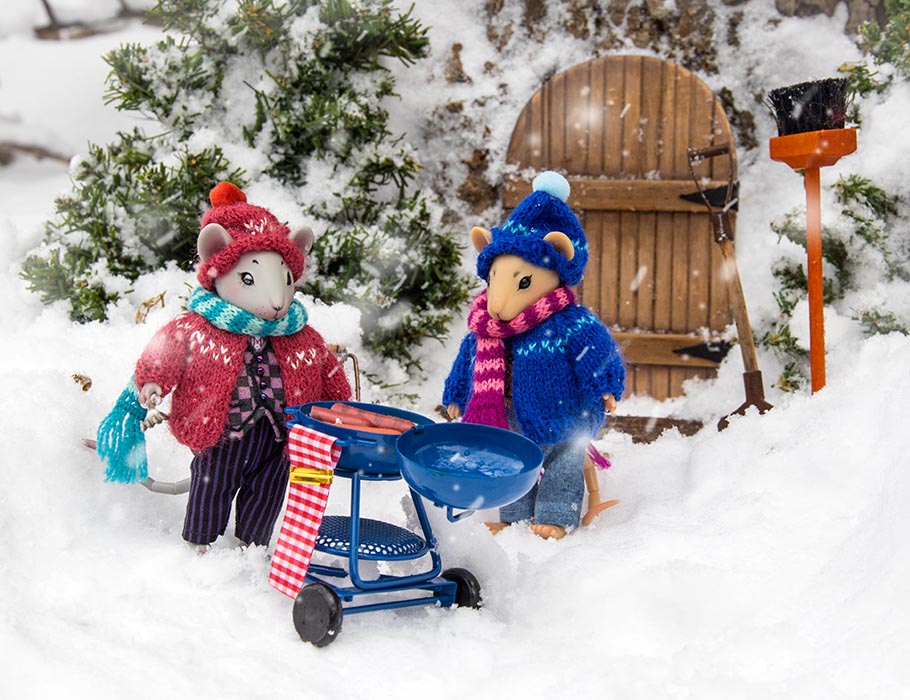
<point x="200" y="364"/>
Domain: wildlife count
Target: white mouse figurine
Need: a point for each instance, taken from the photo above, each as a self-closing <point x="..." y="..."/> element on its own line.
<point x="535" y="361"/>
<point x="240" y="354"/>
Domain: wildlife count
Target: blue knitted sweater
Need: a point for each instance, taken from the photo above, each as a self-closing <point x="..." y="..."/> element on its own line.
<point x="560" y="371"/>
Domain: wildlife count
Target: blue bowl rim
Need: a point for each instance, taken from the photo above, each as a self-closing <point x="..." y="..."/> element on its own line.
<point x="508" y="435"/>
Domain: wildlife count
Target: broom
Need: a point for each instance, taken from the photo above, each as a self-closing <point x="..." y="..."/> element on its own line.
<point x="810" y="121"/>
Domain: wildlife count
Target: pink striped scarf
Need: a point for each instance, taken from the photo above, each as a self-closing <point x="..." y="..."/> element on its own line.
<point x="487" y="405"/>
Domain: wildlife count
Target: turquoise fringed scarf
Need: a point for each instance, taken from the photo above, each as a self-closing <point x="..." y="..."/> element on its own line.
<point x="121" y="442"/>
<point x="233" y="319"/>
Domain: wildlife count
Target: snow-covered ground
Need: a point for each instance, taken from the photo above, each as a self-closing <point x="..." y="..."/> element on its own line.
<point x="764" y="561"/>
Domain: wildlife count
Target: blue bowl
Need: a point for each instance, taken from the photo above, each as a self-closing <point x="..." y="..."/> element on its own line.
<point x="462" y="465"/>
<point x="368" y="453"/>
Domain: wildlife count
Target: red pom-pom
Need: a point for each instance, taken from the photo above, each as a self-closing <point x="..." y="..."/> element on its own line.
<point x="226" y="193"/>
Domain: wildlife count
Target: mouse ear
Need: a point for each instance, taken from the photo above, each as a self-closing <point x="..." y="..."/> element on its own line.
<point x="213" y="238"/>
<point x="562" y="243"/>
<point x="480" y="238"/>
<point x="302" y="238"/>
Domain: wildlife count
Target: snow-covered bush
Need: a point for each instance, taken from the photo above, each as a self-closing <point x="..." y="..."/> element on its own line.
<point x="887" y="49"/>
<point x="287" y="97"/>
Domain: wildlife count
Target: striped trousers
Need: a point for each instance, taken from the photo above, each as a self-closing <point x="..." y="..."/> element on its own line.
<point x="254" y="469"/>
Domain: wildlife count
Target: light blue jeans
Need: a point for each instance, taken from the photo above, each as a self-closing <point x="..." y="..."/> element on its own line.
<point x="556" y="499"/>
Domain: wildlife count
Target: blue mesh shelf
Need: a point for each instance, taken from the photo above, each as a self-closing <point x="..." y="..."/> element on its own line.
<point x="378" y="540"/>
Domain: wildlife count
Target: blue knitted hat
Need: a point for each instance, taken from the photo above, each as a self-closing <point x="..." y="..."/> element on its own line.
<point x="542" y="211"/>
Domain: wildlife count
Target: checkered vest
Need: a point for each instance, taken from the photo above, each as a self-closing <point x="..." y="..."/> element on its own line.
<point x="259" y="391"/>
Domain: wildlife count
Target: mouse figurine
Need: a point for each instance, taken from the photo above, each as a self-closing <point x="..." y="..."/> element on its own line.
<point x="232" y="362"/>
<point x="535" y="361"/>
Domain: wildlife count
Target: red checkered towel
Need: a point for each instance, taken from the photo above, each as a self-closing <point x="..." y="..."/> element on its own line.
<point x="313" y="458"/>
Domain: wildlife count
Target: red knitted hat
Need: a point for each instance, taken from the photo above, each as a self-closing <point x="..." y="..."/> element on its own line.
<point x="252" y="228"/>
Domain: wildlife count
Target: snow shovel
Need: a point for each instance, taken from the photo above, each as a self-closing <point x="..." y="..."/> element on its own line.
<point x="723" y="236"/>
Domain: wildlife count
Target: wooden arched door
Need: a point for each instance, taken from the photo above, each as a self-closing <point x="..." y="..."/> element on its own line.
<point x="619" y="128"/>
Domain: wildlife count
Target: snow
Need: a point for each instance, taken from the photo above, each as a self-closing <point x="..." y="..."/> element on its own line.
<point x="764" y="561"/>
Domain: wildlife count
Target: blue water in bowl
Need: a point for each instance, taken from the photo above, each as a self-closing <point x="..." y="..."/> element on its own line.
<point x="460" y="461"/>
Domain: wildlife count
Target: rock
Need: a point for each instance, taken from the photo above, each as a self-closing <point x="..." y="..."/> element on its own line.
<point x="859" y="11"/>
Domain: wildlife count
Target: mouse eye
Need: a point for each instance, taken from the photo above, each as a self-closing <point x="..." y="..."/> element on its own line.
<point x="247" y="279"/>
<point x="524" y="282"/>
<point x="290" y="281"/>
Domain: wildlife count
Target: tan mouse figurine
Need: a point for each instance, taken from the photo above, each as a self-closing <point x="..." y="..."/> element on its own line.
<point x="535" y="361"/>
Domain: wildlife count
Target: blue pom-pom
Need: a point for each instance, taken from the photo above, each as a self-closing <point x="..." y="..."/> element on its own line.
<point x="552" y="183"/>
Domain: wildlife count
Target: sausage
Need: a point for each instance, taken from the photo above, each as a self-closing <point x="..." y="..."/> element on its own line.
<point x="329" y="415"/>
<point x="379" y="420"/>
